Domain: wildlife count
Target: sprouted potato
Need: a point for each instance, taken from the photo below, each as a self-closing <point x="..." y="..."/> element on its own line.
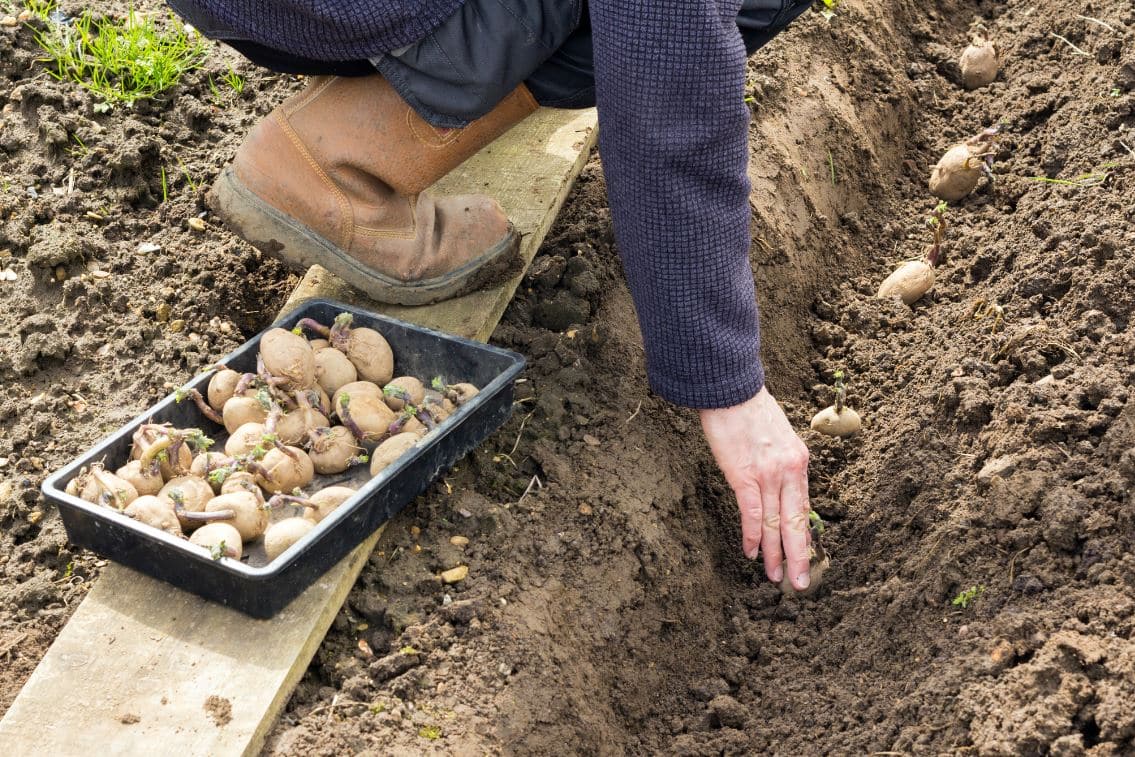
<point x="241" y="410"/>
<point x="288" y="356"/>
<point x="323" y="502"/>
<point x="333" y="369"/>
<point x="403" y="391"/>
<point x="189" y="495"/>
<point x="285" y="470"/>
<point x="222" y="387"/>
<point x="144" y="480"/>
<point x="104" y="488"/>
<point x="390" y="450"/>
<point x="334" y="449"/>
<point x="958" y="171"/>
<point x="837" y="419"/>
<point x="244" y="439"/>
<point x="155" y="512"/>
<point x="979" y="63"/>
<point x="220" y="539"/>
<point x="914" y="278"/>
<point x="283" y="534"/>
<point x="245" y="512"/>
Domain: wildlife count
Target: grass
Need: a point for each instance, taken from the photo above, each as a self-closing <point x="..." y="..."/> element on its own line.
<point x="121" y="61"/>
<point x="1083" y="180"/>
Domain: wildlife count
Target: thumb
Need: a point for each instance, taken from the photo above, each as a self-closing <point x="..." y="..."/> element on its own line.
<point x="749" y="503"/>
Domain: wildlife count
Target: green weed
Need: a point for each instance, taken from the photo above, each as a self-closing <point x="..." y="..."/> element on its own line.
<point x="431" y="732"/>
<point x="967" y="597"/>
<point x="121" y="61"/>
<point x="234" y="80"/>
<point x="41" y="8"/>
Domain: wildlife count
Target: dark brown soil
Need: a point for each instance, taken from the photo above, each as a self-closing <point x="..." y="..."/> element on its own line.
<point x="607" y="608"/>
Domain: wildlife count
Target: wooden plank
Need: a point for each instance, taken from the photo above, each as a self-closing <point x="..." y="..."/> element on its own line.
<point x="143" y="668"/>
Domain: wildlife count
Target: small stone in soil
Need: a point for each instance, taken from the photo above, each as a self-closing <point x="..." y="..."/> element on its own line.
<point x="453" y="575"/>
<point x="196" y="224"/>
<point x="8" y="21"/>
<point x="177" y="325"/>
<point x="585" y="509"/>
<point x="591" y="440"/>
<point x="458" y="541"/>
<point x="163" y="312"/>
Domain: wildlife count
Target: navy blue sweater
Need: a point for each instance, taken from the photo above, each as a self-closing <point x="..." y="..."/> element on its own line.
<point x="673" y="138"/>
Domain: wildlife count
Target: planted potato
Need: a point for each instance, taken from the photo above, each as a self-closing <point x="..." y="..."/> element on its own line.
<point x="838" y="419"/>
<point x="390" y="450"/>
<point x="909" y="282"/>
<point x="155" y="512"/>
<point x="288" y="356"/>
<point x="283" y="534"/>
<point x="285" y="470"/>
<point x="220" y="539"/>
<point x="323" y="502"/>
<point x="836" y="422"/>
<point x="956" y="174"/>
<point x="818" y="561"/>
<point x="979" y="63"/>
<point x="144" y="480"/>
<point x="914" y="278"/>
<point x="333" y="369"/>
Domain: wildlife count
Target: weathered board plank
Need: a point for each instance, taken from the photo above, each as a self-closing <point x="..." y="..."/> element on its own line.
<point x="143" y="668"/>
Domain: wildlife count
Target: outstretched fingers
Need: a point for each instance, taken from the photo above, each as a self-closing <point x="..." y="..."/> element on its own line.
<point x="749" y="503"/>
<point x="794" y="529"/>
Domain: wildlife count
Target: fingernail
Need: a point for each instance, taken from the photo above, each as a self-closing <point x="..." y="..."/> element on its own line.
<point x="802" y="581"/>
<point x="753" y="553"/>
<point x="778" y="574"/>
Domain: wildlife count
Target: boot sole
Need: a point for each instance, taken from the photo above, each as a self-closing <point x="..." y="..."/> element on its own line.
<point x="297" y="246"/>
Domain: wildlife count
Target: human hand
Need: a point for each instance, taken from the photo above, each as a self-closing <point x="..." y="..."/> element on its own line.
<point x="766" y="464"/>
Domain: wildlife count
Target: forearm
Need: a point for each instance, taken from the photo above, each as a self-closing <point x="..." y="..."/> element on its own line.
<point x="673" y="136"/>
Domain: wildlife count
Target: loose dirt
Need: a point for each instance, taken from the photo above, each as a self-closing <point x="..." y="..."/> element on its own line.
<point x="607" y="608"/>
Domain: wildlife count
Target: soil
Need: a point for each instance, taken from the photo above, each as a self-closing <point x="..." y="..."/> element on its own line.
<point x="607" y="608"/>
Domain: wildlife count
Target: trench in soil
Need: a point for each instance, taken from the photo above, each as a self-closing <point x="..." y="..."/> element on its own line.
<point x="607" y="608"/>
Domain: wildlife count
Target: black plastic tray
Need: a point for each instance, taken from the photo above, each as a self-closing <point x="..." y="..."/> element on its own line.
<point x="260" y="589"/>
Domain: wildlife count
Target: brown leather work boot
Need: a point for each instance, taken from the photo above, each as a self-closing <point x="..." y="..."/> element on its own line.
<point x="335" y="175"/>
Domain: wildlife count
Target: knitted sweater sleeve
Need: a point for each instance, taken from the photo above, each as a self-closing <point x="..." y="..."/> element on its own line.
<point x="673" y="131"/>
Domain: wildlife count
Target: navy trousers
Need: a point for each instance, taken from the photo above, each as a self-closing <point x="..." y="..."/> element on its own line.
<point x="485" y="50"/>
